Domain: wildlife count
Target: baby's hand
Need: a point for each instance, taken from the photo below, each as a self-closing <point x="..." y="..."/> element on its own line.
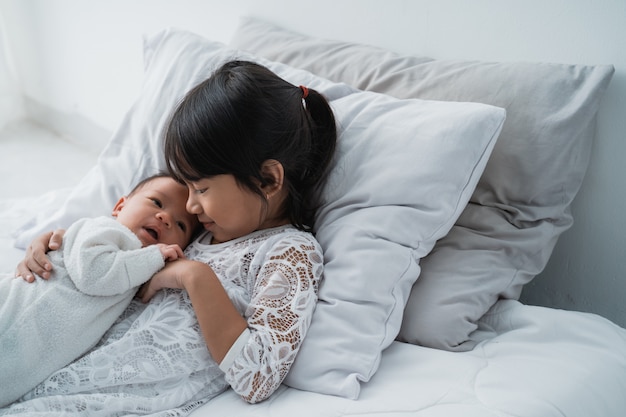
<point x="170" y="252"/>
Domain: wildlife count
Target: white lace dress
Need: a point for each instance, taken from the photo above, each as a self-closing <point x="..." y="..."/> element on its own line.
<point x="154" y="360"/>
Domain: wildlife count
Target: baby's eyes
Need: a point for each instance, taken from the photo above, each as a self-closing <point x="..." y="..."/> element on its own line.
<point x="181" y="225"/>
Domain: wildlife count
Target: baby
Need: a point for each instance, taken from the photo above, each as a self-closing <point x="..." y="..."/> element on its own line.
<point x="49" y="323"/>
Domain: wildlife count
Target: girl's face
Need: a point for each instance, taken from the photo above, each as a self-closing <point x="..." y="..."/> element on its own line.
<point x="228" y="210"/>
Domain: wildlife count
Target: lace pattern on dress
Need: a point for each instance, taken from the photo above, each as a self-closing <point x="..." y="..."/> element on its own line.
<point x="280" y="276"/>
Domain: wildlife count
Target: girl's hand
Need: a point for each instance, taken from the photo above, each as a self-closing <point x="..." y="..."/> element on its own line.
<point x="171" y="276"/>
<point x="36" y="261"/>
<point x="170" y="252"/>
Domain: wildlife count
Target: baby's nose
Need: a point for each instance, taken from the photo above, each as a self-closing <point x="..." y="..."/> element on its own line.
<point x="165" y="218"/>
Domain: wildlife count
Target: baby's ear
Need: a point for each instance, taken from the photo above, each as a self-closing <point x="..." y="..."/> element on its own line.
<point x="273" y="170"/>
<point x="118" y="206"/>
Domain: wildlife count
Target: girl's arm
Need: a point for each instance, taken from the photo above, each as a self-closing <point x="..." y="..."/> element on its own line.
<point x="35" y="260"/>
<point x="277" y="318"/>
<point x="219" y="320"/>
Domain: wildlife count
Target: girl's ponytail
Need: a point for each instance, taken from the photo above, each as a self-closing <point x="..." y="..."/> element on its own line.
<point x="323" y="141"/>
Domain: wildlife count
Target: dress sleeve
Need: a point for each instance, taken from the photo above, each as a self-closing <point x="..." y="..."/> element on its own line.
<point x="278" y="316"/>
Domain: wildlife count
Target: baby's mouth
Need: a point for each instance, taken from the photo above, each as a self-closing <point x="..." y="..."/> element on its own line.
<point x="152" y="232"/>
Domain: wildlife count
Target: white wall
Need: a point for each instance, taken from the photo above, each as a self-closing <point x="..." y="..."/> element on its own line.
<point x="79" y="64"/>
<point x="10" y="94"/>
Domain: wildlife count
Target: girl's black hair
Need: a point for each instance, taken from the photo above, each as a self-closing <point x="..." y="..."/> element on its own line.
<point x="243" y="115"/>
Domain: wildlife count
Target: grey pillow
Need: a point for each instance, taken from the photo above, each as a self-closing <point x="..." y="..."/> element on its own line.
<point x="521" y="205"/>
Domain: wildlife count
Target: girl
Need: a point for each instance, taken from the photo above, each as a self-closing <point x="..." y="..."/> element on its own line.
<point x="253" y="150"/>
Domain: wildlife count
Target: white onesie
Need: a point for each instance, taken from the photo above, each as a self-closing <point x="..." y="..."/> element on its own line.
<point x="47" y="324"/>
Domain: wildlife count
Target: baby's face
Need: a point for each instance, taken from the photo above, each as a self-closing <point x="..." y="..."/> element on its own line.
<point x="156" y="213"/>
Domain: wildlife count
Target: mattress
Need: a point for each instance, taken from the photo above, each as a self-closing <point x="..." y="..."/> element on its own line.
<point x="533" y="361"/>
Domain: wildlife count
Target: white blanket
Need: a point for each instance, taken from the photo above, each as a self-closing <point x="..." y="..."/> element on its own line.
<point x="536" y="362"/>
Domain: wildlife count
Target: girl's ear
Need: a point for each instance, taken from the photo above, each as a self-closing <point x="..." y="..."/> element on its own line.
<point x="118" y="206"/>
<point x="275" y="173"/>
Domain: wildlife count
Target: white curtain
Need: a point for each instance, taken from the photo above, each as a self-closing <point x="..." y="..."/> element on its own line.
<point x="11" y="106"/>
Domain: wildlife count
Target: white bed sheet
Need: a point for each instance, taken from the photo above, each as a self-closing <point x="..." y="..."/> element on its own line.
<point x="531" y="362"/>
<point x="540" y="362"/>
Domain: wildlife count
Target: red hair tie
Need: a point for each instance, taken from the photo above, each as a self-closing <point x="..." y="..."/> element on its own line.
<point x="305" y="91"/>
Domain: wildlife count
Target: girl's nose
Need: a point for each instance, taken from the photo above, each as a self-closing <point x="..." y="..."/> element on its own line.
<point x="191" y="206"/>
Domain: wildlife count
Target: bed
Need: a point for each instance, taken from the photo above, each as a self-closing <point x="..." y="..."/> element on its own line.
<point x="453" y="182"/>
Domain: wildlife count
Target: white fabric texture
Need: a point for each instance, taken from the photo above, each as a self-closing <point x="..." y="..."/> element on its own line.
<point x="528" y="362"/>
<point x="96" y="274"/>
<point x="521" y="205"/>
<point x="235" y="350"/>
<point x="154" y="359"/>
<point x="403" y="172"/>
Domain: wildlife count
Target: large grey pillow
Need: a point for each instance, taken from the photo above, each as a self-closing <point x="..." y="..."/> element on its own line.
<point x="507" y="232"/>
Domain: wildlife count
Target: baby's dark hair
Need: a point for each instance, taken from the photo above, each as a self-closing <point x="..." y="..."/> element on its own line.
<point x="144" y="181"/>
<point x="243" y="115"/>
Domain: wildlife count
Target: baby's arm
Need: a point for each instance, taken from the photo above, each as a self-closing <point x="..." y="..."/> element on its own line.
<point x="104" y="258"/>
